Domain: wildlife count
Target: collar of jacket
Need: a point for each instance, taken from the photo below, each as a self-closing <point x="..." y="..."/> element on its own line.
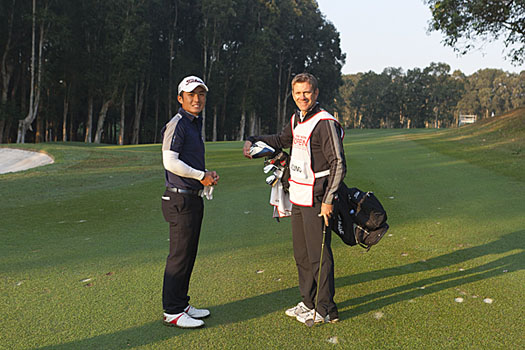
<point x="313" y="111"/>
<point x="187" y="114"/>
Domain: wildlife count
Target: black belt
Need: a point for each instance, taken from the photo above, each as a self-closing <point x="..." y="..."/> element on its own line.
<point x="180" y="190"/>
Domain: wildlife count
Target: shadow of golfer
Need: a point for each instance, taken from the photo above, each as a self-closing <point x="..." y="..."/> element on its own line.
<point x="255" y="307"/>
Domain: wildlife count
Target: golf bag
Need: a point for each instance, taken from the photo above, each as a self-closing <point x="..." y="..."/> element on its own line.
<point x="358" y="218"/>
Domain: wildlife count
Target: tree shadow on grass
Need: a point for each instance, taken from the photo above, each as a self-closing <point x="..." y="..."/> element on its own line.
<point x="425" y="286"/>
<point x="375" y="301"/>
<point x="129" y="338"/>
<point x="257" y="306"/>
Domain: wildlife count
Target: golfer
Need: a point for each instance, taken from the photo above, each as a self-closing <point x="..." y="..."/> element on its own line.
<point x="182" y="203"/>
<point x="317" y="168"/>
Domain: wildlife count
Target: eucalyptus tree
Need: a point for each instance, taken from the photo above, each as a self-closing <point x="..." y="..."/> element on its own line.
<point x="445" y="93"/>
<point x="135" y="64"/>
<point x="244" y="71"/>
<point x="347" y="113"/>
<point x="418" y="95"/>
<point x="304" y="41"/>
<point x="518" y="89"/>
<point x="325" y="60"/>
<point x="14" y="36"/>
<point x="256" y="68"/>
<point x="111" y="54"/>
<point x="39" y="29"/>
<point x="91" y="35"/>
<point x="393" y="107"/>
<point x="216" y="37"/>
<point x="62" y="69"/>
<point x="367" y="98"/>
<point x="463" y="22"/>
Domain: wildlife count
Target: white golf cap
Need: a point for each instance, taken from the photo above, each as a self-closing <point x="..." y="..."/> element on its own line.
<point x="190" y="83"/>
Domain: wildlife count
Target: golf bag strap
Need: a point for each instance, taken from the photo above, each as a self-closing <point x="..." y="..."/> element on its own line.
<point x="362" y="200"/>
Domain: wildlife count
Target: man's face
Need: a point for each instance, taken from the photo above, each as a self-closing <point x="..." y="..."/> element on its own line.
<point x="304" y="96"/>
<point x="193" y="102"/>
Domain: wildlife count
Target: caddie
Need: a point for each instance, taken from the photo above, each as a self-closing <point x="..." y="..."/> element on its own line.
<point x="182" y="203"/>
<point x="317" y="168"/>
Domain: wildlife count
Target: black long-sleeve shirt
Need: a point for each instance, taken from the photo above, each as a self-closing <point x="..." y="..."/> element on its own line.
<point x="327" y="152"/>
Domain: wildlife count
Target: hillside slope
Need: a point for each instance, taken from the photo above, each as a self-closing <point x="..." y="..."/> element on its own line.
<point x="496" y="143"/>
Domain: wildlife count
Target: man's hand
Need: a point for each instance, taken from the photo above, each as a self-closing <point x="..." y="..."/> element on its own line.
<point x="210" y="178"/>
<point x="246" y="149"/>
<point x="326" y="212"/>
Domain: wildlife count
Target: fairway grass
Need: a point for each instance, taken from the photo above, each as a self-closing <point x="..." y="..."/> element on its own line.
<point x="84" y="246"/>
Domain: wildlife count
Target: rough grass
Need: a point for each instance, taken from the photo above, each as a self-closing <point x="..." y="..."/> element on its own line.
<point x="84" y="243"/>
<point x="496" y="143"/>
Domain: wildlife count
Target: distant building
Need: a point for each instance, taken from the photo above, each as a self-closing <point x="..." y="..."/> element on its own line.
<point x="467" y="119"/>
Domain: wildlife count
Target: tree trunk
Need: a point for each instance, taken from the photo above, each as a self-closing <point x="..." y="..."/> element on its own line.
<point x="242" y="124"/>
<point x="122" y="116"/>
<point x="253" y="120"/>
<point x="89" y="123"/>
<point x="279" y="90"/>
<point x="214" y="136"/>
<point x="2" y="126"/>
<point x="156" y="118"/>
<point x="283" y="96"/>
<point x="172" y="57"/>
<point x="23" y="124"/>
<point x="71" y="136"/>
<point x="7" y="130"/>
<point x="34" y="100"/>
<point x="207" y="69"/>
<point x="170" y="77"/>
<point x="101" y="119"/>
<point x="139" y="104"/>
<point x="203" y="130"/>
<point x="287" y="94"/>
<point x="48" y="131"/>
<point x="223" y="111"/>
<point x="5" y="72"/>
<point x="40" y="130"/>
<point x="64" y="116"/>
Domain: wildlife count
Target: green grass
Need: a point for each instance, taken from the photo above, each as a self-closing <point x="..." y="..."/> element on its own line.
<point x="495" y="143"/>
<point x="457" y="230"/>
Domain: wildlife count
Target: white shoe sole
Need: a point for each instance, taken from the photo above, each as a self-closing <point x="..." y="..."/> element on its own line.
<point x="186" y="322"/>
<point x="167" y="324"/>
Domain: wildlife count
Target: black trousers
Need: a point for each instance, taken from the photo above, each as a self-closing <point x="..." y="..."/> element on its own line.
<point x="307" y="233"/>
<point x="184" y="212"/>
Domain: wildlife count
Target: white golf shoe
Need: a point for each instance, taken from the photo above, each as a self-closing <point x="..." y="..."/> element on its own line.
<point x="181" y="320"/>
<point x="196" y="313"/>
<point x="308" y="316"/>
<point x="298" y="309"/>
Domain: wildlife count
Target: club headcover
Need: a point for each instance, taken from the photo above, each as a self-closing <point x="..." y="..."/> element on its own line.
<point x="260" y="149"/>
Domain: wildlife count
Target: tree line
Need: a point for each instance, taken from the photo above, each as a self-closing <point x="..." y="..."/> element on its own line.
<point x="107" y="70"/>
<point x="429" y="97"/>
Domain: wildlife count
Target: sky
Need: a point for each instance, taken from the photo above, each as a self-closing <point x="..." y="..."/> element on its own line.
<point x="376" y="34"/>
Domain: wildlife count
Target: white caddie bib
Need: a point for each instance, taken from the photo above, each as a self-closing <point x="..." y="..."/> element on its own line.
<point x="302" y="177"/>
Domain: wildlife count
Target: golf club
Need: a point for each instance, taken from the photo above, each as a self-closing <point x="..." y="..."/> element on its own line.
<point x="260" y="149"/>
<point x="268" y="168"/>
<point x="311" y="321"/>
<point x="272" y="180"/>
